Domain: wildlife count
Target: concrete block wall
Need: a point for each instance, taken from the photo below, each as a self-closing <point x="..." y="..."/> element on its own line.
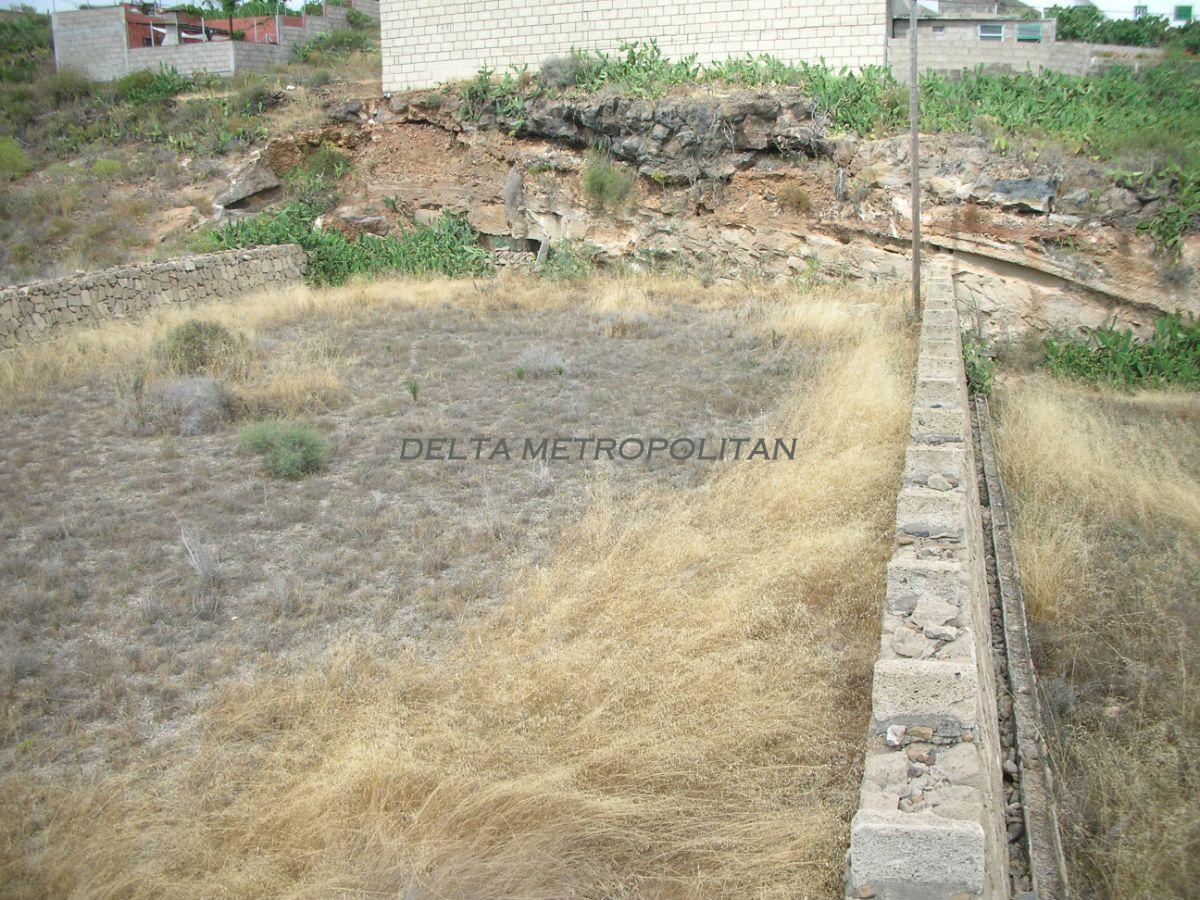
<point x="429" y="41"/>
<point x="258" y="57"/>
<point x="91" y="41"/>
<point x="930" y="822"/>
<point x="216" y="57"/>
<point x="370" y="7"/>
<point x="1068" y="57"/>
<point x="46" y="310"/>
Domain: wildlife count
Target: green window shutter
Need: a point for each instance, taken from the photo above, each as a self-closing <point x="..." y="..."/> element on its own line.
<point x="1029" y="32"/>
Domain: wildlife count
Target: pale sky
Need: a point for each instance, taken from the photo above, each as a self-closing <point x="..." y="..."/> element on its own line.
<point x="50" y="5"/>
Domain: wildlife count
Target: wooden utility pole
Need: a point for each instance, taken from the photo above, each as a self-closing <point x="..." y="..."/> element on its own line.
<point x="914" y="157"/>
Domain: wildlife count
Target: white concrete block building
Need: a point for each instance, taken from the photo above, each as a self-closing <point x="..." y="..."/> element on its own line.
<point x="429" y="41"/>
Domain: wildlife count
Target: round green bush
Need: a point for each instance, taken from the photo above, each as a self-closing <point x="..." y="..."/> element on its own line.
<point x="288" y="449"/>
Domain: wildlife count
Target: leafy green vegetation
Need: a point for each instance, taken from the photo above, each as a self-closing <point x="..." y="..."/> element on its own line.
<point x="14" y="162"/>
<point x="447" y="247"/>
<point x="1087" y="23"/>
<point x="335" y="46"/>
<point x="484" y="94"/>
<point x="63" y="114"/>
<point x="1171" y="356"/>
<point x="1147" y="123"/>
<point x="327" y="162"/>
<point x="288" y="449"/>
<point x="359" y="20"/>
<point x="569" y="259"/>
<point x="981" y="368"/>
<point x="24" y="44"/>
<point x="607" y="184"/>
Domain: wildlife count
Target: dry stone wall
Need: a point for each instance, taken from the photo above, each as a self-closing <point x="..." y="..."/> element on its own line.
<point x="46" y="310"/>
<point x="930" y="821"/>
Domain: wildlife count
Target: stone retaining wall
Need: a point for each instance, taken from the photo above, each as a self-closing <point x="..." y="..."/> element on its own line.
<point x="930" y="822"/>
<point x="46" y="310"/>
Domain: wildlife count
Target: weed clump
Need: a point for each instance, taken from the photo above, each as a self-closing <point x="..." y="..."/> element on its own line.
<point x="1171" y="356"/>
<point x="448" y="247"/>
<point x="569" y="260"/>
<point x="65" y="86"/>
<point x="981" y="368"/>
<point x="795" y="198"/>
<point x="606" y="183"/>
<point x="288" y="449"/>
<point x="335" y="46"/>
<point x="567" y="71"/>
<point x="327" y="162"/>
<point x="14" y="161"/>
<point x="198" y="346"/>
<point x="107" y="169"/>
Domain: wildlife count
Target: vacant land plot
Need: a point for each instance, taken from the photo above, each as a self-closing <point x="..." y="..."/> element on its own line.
<point x="449" y="678"/>
<point x="1107" y="488"/>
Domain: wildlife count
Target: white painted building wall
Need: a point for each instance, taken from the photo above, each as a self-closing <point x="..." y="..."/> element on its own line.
<point x="429" y="41"/>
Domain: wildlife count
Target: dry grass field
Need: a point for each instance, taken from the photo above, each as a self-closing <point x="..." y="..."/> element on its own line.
<point x="1107" y="488"/>
<point x="447" y="679"/>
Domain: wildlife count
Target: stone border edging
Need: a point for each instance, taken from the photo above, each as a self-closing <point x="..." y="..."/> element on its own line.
<point x="930" y="821"/>
<point x="45" y="310"/>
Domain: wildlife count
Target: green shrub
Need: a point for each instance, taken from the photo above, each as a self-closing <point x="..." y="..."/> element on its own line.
<point x="327" y="162"/>
<point x="19" y="105"/>
<point x="65" y="86"/>
<point x="24" y="44"/>
<point x="448" y="247"/>
<point x="197" y="346"/>
<point x="337" y="44"/>
<point x="485" y="94"/>
<point x="981" y="368"/>
<point x="14" y="161"/>
<point x="1087" y="23"/>
<point x="1186" y="39"/>
<point x="257" y="96"/>
<point x="359" y="20"/>
<point x="795" y="197"/>
<point x="107" y="169"/>
<point x="577" y="67"/>
<point x="317" y="77"/>
<point x="146" y="86"/>
<point x="1171" y="356"/>
<point x="607" y="184"/>
<point x="288" y="449"/>
<point x="569" y="259"/>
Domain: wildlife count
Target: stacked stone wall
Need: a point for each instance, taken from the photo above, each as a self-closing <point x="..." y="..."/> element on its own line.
<point x="47" y="310"/>
<point x="930" y="822"/>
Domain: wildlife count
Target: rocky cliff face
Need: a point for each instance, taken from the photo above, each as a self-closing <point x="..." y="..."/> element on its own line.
<point x="753" y="183"/>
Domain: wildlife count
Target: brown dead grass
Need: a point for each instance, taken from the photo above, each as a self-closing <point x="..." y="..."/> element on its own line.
<point x="672" y="706"/>
<point x="1107" y="489"/>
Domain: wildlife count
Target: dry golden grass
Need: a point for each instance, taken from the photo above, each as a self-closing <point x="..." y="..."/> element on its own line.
<point x="1107" y="489"/>
<point x="673" y="706"/>
<point x="118" y="345"/>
